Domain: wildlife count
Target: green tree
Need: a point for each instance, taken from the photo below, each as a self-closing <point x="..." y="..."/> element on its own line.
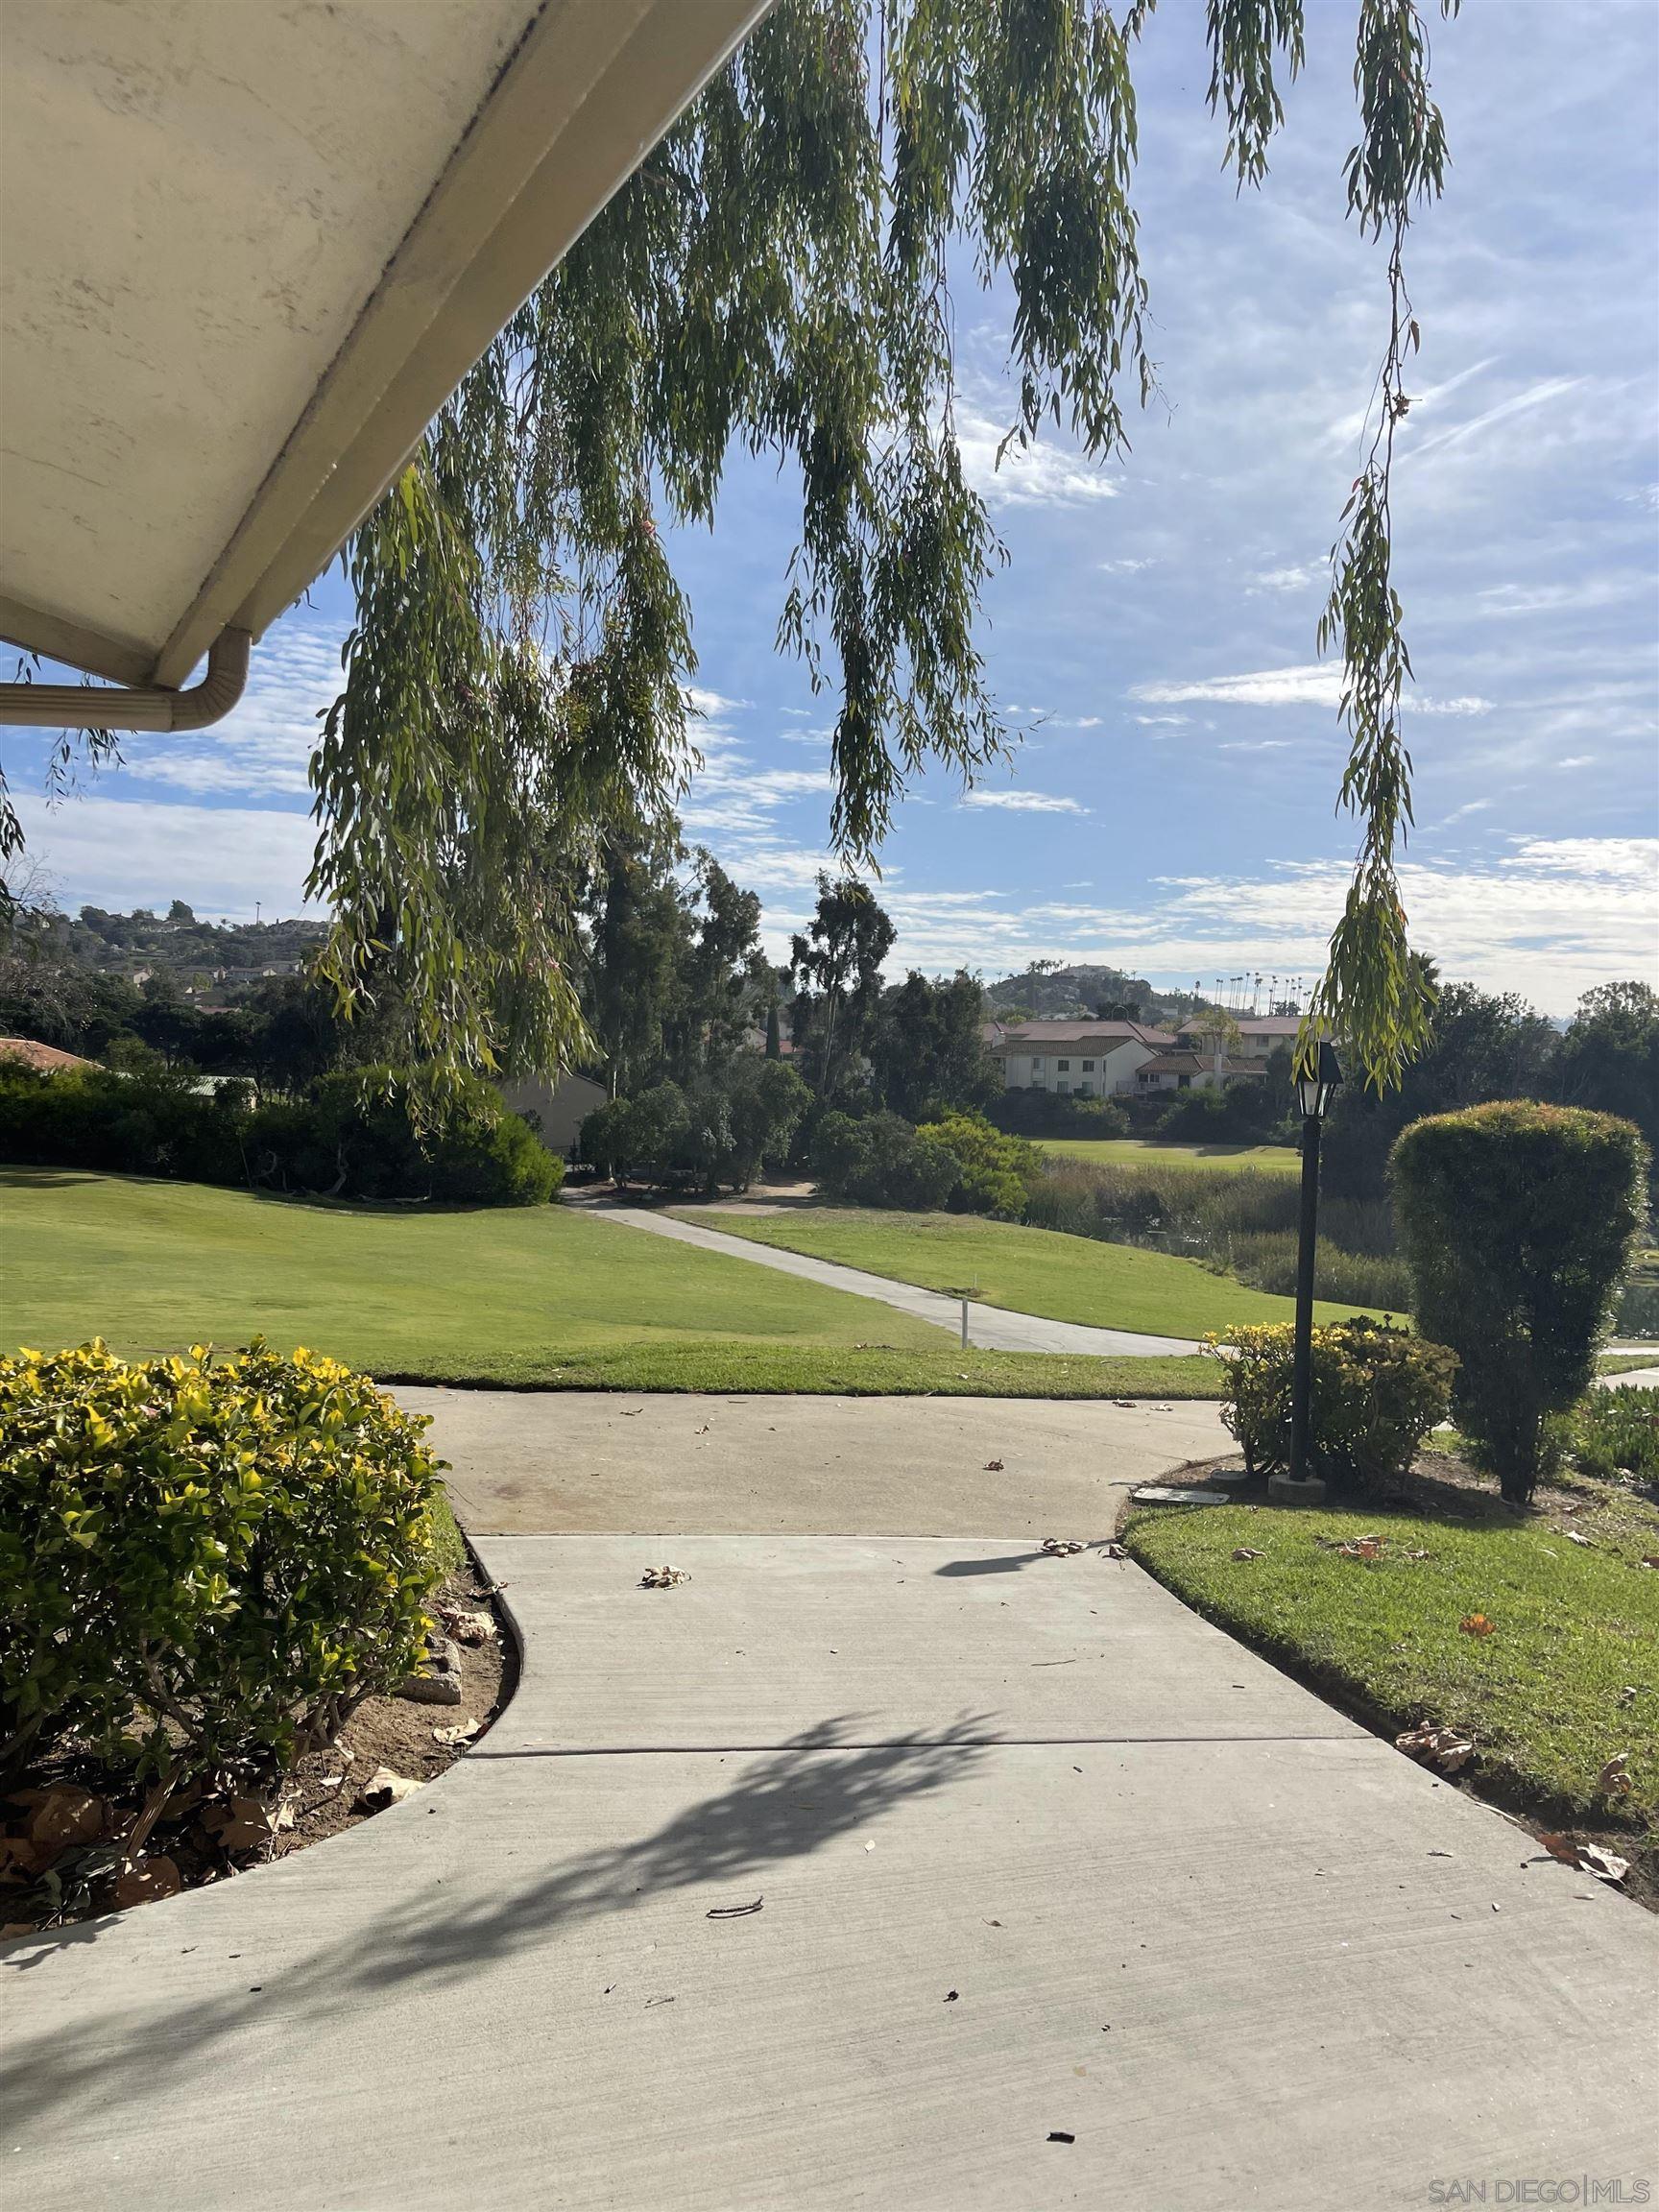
<point x="836" y="965"/>
<point x="927" y="1047"/>
<point x="1609" y="1058"/>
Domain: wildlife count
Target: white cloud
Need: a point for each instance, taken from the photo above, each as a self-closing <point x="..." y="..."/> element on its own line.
<point x="1539" y="395"/>
<point x="1290" y="579"/>
<point x="263" y="746"/>
<point x="126" y="852"/>
<point x="1312" y="685"/>
<point x="1128" y="567"/>
<point x="1079" y="722"/>
<point x="1024" y="801"/>
<point x="710" y="706"/>
<point x="1472" y="806"/>
<point x="1550" y="919"/>
<point x="1034" y="475"/>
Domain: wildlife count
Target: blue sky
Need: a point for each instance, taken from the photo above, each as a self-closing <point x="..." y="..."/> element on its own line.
<point x="1171" y="809"/>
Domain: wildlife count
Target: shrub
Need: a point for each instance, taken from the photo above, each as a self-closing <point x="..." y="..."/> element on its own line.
<point x="1637" y="1313"/>
<point x="354" y="1135"/>
<point x="1267" y="1262"/>
<point x="154" y="1121"/>
<point x="1517" y="1220"/>
<point x="362" y="1134"/>
<point x="1035" y="1113"/>
<point x="882" y="1161"/>
<point x="1613" y="1433"/>
<point x="995" y="1168"/>
<point x="204" y="1564"/>
<point x="1378" y="1391"/>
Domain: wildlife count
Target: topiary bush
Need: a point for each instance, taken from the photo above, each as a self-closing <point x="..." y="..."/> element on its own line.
<point x="204" y="1564"/>
<point x="997" y="1168"/>
<point x="1378" y="1392"/>
<point x="1517" y="1220"/>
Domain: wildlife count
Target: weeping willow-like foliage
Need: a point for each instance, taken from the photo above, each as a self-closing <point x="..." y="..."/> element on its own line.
<point x="774" y="279"/>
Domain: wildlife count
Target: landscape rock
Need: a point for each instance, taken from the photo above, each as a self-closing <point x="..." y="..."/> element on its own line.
<point x="439" y="1681"/>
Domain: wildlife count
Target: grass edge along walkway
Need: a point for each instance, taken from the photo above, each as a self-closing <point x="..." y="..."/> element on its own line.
<point x="1543" y="1695"/>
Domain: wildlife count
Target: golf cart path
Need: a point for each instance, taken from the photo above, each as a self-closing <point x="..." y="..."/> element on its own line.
<point x="991" y="1328"/>
<point x="854" y="1869"/>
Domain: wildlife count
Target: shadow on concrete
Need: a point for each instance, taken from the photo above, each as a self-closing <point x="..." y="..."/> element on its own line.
<point x="1009" y="1563"/>
<point x="779" y="1807"/>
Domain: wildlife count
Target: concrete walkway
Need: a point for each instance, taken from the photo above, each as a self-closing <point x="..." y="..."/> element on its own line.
<point x="855" y="1871"/>
<point x="992" y="1328"/>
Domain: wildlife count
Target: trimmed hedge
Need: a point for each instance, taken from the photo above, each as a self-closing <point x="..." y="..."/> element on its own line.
<point x="1378" y="1392"/>
<point x="354" y="1135"/>
<point x="204" y="1564"/>
<point x="1517" y="1221"/>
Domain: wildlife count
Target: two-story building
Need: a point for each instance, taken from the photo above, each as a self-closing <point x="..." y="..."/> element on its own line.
<point x="1073" y="1059"/>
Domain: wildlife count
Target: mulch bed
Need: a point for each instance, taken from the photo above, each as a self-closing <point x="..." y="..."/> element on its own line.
<point x="58" y="1863"/>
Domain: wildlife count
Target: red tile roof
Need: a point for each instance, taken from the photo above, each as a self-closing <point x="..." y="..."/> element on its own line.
<point x="38" y="1055"/>
<point x="1024" y="1036"/>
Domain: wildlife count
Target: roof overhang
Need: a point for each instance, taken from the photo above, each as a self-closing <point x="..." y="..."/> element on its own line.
<point x="248" y="252"/>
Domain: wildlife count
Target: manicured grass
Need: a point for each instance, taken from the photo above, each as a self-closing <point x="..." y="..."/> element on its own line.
<point x="1142" y="1152"/>
<point x="1027" y="1270"/>
<point x="1626" y="1363"/>
<point x="152" y="1266"/>
<point x="870" y="1370"/>
<point x="543" y="1298"/>
<point x="1545" y="1696"/>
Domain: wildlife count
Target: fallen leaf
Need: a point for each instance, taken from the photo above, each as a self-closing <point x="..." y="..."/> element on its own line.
<point x="734" y="1912"/>
<point x="1574" y="1536"/>
<point x="1476" y="1624"/>
<point x="1613" y="1781"/>
<point x="663" y="1578"/>
<point x="1248" y="1552"/>
<point x="64" y="1816"/>
<point x="1442" y="1747"/>
<point x="385" y="1788"/>
<point x="1127" y="1404"/>
<point x="951" y="1995"/>
<point x="993" y="1466"/>
<point x="1650" y="1559"/>
<point x="1061" y="1547"/>
<point x="463" y="1732"/>
<point x="149" y="1878"/>
<point x="1361" y="1548"/>
<point x="1587" y="1858"/>
<point x="1113" y="1550"/>
<point x="1060" y="2135"/>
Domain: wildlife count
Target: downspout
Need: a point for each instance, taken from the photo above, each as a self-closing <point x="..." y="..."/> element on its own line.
<point x="144" y="707"/>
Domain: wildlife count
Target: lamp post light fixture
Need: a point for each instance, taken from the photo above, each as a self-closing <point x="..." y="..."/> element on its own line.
<point x="1315" y="1089"/>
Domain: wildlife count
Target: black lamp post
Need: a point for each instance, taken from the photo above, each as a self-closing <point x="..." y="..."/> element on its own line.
<point x="1314" y="1094"/>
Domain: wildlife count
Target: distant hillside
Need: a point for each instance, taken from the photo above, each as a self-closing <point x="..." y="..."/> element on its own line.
<point x="1048" y="993"/>
<point x="95" y="938"/>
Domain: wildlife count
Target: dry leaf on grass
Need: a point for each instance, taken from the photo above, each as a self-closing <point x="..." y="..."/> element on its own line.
<point x="1248" y="1551"/>
<point x="1441" y="1747"/>
<point x="1613" y="1781"/>
<point x="663" y="1578"/>
<point x="1476" y="1624"/>
<point x="1360" y="1548"/>
<point x="1573" y="1537"/>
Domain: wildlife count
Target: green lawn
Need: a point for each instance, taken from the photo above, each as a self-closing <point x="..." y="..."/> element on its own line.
<point x="1142" y="1152"/>
<point x="1027" y="1270"/>
<point x="1568" y="1677"/>
<point x="539" y="1297"/>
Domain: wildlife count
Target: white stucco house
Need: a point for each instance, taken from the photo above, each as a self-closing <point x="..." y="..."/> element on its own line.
<point x="1073" y="1059"/>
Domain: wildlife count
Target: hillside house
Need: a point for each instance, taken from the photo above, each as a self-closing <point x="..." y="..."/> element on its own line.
<point x="1073" y="1059"/>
